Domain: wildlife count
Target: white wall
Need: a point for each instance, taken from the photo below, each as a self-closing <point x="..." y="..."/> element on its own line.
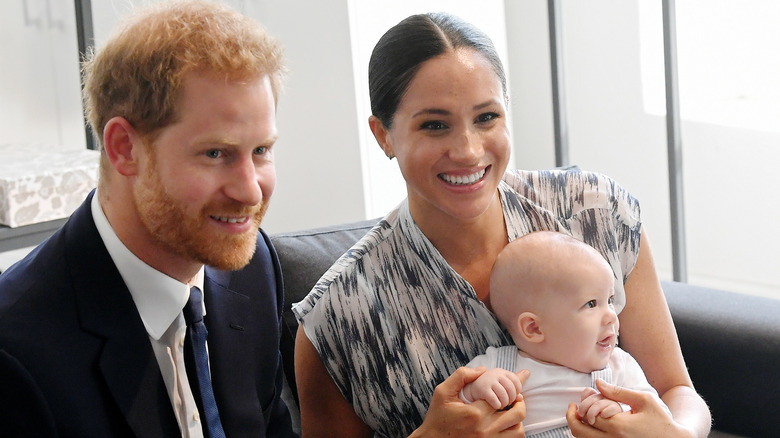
<point x="39" y="80"/>
<point x="530" y="97"/>
<point x="608" y="129"/>
<point x="324" y="150"/>
<point x="317" y="155"/>
<point x="730" y="185"/>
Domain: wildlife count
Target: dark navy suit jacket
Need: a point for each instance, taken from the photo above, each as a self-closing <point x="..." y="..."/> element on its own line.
<point x="76" y="361"/>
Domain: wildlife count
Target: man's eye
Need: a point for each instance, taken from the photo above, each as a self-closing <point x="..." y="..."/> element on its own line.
<point x="213" y="153"/>
<point x="434" y="126"/>
<point x="260" y="150"/>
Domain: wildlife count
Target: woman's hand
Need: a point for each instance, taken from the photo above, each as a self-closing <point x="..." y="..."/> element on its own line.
<point x="593" y="405"/>
<point x="647" y="417"/>
<point x="448" y="415"/>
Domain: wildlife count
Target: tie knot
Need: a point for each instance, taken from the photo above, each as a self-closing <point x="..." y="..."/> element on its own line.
<point x="193" y="310"/>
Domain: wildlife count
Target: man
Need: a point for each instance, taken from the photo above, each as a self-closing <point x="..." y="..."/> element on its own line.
<point x="92" y="331"/>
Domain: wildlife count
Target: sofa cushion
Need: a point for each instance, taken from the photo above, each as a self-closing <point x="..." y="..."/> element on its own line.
<point x="306" y="255"/>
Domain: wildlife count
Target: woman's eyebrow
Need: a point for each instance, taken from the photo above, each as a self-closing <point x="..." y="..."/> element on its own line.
<point x="443" y="112"/>
<point x="486" y="104"/>
<point x="431" y="111"/>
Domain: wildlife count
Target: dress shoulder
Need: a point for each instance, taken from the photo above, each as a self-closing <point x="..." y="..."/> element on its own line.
<point x="571" y="191"/>
<point x="346" y="263"/>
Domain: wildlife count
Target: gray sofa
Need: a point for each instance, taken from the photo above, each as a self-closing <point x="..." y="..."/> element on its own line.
<point x="731" y="341"/>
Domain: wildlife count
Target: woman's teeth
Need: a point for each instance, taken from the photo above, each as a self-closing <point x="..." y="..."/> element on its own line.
<point x="463" y="180"/>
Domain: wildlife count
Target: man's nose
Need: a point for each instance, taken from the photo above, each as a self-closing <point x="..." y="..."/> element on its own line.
<point x="243" y="183"/>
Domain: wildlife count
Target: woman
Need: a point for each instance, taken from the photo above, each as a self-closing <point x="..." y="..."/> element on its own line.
<point x="407" y="306"/>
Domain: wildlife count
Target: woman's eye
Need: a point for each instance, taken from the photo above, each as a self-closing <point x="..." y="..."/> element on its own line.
<point x="213" y="153"/>
<point x="433" y="126"/>
<point x="487" y="117"/>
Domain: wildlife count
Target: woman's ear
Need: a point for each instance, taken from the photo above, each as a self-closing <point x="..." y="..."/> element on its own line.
<point x="380" y="134"/>
<point x="120" y="139"/>
<point x="529" y="327"/>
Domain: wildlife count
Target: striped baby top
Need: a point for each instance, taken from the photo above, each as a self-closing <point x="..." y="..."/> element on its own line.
<point x="550" y="389"/>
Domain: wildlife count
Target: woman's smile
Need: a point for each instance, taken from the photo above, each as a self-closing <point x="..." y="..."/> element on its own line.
<point x="464" y="180"/>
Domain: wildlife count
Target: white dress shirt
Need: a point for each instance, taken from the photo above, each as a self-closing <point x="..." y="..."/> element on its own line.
<point x="159" y="300"/>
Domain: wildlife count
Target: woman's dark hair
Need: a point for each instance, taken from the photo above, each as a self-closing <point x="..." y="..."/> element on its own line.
<point x="407" y="45"/>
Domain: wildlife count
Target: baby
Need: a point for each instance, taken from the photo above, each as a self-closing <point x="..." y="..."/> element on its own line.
<point x="554" y="294"/>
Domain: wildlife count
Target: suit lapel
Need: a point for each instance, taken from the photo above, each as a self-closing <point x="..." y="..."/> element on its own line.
<point x="228" y="319"/>
<point x="234" y="339"/>
<point x="242" y="316"/>
<point x="107" y="310"/>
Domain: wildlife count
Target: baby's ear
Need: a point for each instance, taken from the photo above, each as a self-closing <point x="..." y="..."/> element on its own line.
<point x="530" y="328"/>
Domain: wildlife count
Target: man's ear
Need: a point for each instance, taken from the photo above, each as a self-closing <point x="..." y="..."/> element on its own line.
<point x="380" y="134"/>
<point x="121" y="140"/>
<point x="529" y="327"/>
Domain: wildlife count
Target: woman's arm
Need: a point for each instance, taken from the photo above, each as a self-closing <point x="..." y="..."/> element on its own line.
<point x="647" y="333"/>
<point x="324" y="410"/>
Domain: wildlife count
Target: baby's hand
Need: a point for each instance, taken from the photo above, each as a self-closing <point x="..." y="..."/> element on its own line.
<point x="498" y="387"/>
<point x="594" y="404"/>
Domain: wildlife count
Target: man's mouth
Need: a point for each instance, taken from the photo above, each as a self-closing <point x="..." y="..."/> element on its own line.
<point x="463" y="180"/>
<point x="231" y="220"/>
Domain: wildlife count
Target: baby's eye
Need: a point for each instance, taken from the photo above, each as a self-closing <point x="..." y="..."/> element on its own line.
<point x="590" y="304"/>
<point x="434" y="125"/>
<point x="611" y="300"/>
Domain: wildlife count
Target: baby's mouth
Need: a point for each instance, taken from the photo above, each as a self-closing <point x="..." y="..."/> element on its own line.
<point x="606" y="342"/>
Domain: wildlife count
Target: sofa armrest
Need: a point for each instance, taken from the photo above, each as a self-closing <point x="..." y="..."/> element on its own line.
<point x="731" y="345"/>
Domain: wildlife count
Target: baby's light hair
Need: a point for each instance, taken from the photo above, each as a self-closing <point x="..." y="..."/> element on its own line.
<point x="526" y="266"/>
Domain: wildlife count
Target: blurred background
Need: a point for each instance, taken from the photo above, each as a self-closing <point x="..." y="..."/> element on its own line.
<point x="330" y="169"/>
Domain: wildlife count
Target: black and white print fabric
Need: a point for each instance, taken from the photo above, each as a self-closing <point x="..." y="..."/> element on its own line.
<point x="391" y="319"/>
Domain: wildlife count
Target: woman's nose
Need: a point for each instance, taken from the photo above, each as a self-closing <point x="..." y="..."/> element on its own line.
<point x="468" y="147"/>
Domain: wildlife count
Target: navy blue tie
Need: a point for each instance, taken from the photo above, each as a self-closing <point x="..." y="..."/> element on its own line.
<point x="196" y="361"/>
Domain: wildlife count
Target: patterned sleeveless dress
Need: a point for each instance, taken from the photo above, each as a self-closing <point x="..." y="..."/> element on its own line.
<point x="391" y="319"/>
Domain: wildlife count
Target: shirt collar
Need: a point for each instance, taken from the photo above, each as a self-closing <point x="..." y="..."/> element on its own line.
<point x="158" y="297"/>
